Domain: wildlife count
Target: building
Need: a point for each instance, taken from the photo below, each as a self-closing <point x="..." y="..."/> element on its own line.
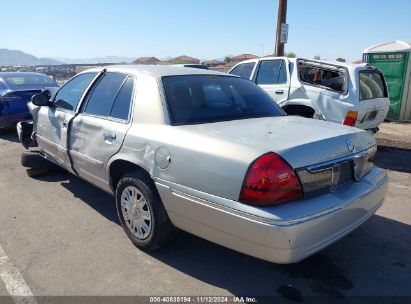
<point x="242" y="57"/>
<point x="213" y="63"/>
<point x="184" y="59"/>
<point x="147" y="60"/>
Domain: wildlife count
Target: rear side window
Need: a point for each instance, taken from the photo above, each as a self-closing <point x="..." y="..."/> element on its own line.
<point x="103" y="95"/>
<point x="272" y="72"/>
<point x="121" y="107"/>
<point x="332" y="79"/>
<point x="372" y="85"/>
<point x="243" y="70"/>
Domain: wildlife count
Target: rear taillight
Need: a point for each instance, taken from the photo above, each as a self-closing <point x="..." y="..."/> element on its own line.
<point x="351" y="118"/>
<point x="270" y="181"/>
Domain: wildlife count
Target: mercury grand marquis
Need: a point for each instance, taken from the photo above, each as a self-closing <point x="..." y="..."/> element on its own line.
<point x="210" y="154"/>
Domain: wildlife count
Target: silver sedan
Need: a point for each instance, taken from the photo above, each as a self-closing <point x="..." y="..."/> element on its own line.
<point x="208" y="153"/>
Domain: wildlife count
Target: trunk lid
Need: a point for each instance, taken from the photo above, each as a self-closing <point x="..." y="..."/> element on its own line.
<point x="15" y="102"/>
<point x="300" y="141"/>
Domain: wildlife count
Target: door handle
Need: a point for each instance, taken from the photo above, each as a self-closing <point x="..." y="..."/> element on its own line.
<point x="65" y="124"/>
<point x="279" y="92"/>
<point x="109" y="136"/>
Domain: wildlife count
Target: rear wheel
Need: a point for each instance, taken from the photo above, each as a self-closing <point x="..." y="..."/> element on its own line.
<point x="141" y="212"/>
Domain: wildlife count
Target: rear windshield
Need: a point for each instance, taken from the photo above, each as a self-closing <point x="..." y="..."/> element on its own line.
<point x="29" y="80"/>
<point x="194" y="99"/>
<point x="332" y="79"/>
<point x="372" y="85"/>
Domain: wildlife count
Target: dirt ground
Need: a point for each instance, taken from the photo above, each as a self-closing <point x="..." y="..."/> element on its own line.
<point x="397" y="135"/>
<point x="64" y="238"/>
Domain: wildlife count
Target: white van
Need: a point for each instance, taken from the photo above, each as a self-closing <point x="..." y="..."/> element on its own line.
<point x="351" y="94"/>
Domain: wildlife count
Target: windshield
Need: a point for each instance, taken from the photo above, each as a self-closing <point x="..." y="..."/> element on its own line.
<point x="194" y="99"/>
<point x="29" y="80"/>
<point x="372" y="85"/>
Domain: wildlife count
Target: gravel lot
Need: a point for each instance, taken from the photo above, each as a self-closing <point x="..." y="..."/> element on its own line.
<point x="64" y="238"/>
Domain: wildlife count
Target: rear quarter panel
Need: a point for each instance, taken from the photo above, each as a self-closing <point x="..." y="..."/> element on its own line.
<point x="195" y="161"/>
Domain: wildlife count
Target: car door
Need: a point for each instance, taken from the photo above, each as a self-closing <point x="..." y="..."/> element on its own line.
<point x="244" y="70"/>
<point x="52" y="122"/>
<point x="273" y="76"/>
<point x="98" y="131"/>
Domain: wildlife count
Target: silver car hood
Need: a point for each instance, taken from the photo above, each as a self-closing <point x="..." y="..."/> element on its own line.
<point x="300" y="141"/>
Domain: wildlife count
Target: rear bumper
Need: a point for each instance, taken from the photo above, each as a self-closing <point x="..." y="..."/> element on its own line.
<point x="292" y="232"/>
<point x="10" y="121"/>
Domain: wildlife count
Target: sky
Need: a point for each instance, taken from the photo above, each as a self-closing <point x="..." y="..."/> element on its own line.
<point x="204" y="29"/>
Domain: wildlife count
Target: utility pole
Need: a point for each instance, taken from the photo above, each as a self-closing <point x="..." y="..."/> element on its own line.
<point x="281" y="28"/>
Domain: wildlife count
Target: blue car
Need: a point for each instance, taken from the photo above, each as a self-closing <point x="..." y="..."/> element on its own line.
<point x="16" y="89"/>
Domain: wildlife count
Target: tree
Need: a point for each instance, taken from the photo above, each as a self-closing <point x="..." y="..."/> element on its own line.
<point x="339" y="59"/>
<point x="227" y="59"/>
<point x="291" y="55"/>
<point x="317" y="57"/>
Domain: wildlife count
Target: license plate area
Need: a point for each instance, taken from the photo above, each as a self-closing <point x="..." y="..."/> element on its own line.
<point x="326" y="180"/>
<point x="370" y="115"/>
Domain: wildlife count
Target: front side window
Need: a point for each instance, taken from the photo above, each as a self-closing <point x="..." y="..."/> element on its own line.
<point x="194" y="99"/>
<point x="272" y="72"/>
<point x="372" y="85"/>
<point x="243" y="70"/>
<point x="103" y="95"/>
<point x="333" y="79"/>
<point x="69" y="95"/>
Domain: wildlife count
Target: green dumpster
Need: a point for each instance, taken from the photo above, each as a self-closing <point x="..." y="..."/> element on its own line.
<point x="393" y="59"/>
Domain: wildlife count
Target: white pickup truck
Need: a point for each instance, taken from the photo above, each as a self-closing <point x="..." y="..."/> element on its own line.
<point x="351" y="94"/>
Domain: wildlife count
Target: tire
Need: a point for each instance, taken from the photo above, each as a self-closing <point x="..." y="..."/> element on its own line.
<point x="138" y="203"/>
<point x="34" y="160"/>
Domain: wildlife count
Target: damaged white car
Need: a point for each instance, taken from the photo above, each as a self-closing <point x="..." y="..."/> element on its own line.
<point x="351" y="94"/>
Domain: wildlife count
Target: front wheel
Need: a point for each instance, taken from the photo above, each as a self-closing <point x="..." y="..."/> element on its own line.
<point x="141" y="212"/>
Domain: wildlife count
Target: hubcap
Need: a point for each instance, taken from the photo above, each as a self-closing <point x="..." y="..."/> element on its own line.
<point x="136" y="212"/>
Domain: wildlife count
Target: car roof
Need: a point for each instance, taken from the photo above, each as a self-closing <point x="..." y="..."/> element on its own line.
<point x="156" y="71"/>
<point x="348" y="65"/>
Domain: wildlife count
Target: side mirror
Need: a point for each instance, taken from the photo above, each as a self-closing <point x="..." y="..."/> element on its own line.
<point x="42" y="98"/>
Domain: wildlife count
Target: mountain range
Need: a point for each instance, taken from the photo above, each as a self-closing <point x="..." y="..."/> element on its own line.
<point x="95" y="60"/>
<point x="17" y="58"/>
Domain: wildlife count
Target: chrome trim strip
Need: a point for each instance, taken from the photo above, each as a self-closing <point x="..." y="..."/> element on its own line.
<point x="86" y="158"/>
<point x="50" y="143"/>
<point x="326" y="165"/>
